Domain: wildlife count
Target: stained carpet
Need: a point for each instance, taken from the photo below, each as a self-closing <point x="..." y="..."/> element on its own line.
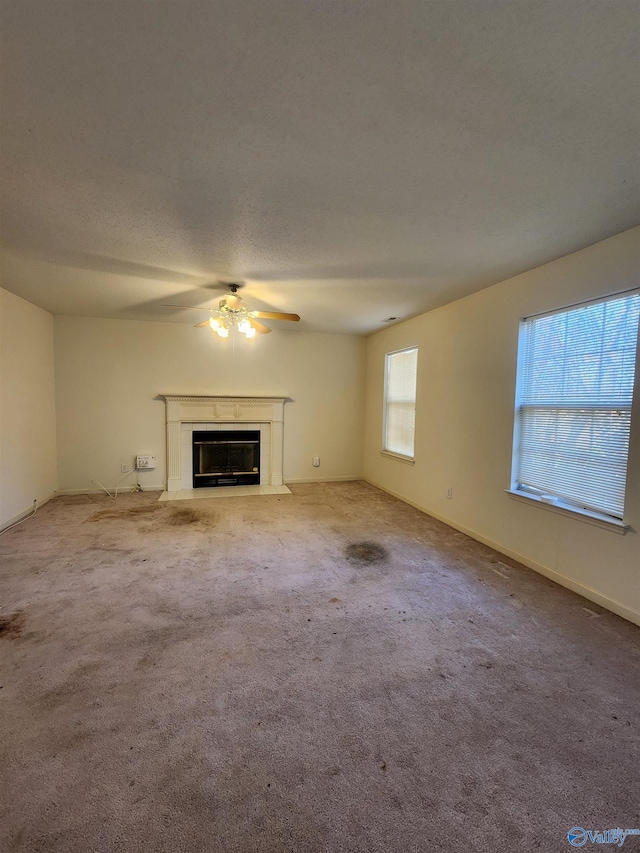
<point x="330" y="671"/>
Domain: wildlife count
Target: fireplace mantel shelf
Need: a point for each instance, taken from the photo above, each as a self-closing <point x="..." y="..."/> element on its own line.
<point x="196" y="398"/>
<point x="188" y="410"/>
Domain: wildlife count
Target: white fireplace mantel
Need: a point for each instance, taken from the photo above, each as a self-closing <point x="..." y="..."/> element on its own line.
<point x="185" y="410"/>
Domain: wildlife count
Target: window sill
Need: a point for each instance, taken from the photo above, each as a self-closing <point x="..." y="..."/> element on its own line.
<point x="408" y="460"/>
<point x="599" y="520"/>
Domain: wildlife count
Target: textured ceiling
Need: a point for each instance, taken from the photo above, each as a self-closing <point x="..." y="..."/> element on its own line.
<point x="350" y="161"/>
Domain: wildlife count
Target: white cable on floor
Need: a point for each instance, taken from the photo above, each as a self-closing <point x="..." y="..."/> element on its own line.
<point x="115" y="494"/>
<point x="26" y="518"/>
<point x="104" y="488"/>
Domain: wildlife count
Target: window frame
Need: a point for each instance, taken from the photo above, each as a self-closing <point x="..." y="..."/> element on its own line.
<point x="393" y="454"/>
<point x="538" y="497"/>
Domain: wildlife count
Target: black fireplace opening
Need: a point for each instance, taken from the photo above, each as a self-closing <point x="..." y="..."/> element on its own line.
<point x="226" y="458"/>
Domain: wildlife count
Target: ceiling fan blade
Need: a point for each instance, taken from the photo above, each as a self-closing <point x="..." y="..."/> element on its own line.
<point x="199" y="325"/>
<point x="260" y="329"/>
<point x="193" y="307"/>
<point x="273" y="315"/>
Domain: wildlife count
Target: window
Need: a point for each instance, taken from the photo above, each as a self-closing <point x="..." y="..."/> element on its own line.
<point x="400" y="401"/>
<point x="573" y="408"/>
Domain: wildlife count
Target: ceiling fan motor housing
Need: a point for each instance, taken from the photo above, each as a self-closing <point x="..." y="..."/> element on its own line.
<point x="231" y="303"/>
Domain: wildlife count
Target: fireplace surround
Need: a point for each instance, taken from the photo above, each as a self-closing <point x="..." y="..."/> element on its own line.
<point x="187" y="414"/>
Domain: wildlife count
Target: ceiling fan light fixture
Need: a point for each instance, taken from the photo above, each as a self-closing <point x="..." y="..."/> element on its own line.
<point x="233" y="313"/>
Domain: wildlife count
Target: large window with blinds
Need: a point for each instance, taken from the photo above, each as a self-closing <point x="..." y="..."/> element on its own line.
<point x="400" y="402"/>
<point x="573" y="409"/>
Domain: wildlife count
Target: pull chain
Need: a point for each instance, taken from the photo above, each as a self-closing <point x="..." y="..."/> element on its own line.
<point x="233" y="362"/>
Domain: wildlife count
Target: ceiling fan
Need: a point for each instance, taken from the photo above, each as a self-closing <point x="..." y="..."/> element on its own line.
<point x="232" y="311"/>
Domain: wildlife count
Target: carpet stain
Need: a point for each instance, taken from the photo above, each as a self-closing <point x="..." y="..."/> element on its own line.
<point x="180" y="517"/>
<point x="11" y="626"/>
<point x="77" y="686"/>
<point x="132" y="512"/>
<point x="17" y="840"/>
<point x="112" y="549"/>
<point x="366" y="553"/>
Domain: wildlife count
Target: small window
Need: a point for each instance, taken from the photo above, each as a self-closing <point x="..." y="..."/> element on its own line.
<point x="573" y="404"/>
<point x="400" y="401"/>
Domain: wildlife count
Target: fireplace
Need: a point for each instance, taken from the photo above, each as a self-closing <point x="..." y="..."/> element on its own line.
<point x="187" y="414"/>
<point x="226" y="458"/>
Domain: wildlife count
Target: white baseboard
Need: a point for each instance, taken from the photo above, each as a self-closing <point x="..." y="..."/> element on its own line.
<point x="25" y="512"/>
<point x="585" y="591"/>
<point x="121" y="491"/>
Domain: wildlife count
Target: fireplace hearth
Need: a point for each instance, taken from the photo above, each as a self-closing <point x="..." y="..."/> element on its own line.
<point x="226" y="458"/>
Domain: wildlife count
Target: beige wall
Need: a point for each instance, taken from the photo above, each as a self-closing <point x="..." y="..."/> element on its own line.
<point x="108" y="373"/>
<point x="27" y="407"/>
<point x="464" y="425"/>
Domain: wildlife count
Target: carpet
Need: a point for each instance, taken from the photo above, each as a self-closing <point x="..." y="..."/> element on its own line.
<point x="327" y="671"/>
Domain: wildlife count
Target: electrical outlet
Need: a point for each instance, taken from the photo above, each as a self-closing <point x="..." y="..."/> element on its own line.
<point x="450" y="493"/>
<point x="316" y="461"/>
<point x="124" y="468"/>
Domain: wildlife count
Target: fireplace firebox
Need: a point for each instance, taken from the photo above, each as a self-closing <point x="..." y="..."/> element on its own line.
<point x="226" y="458"/>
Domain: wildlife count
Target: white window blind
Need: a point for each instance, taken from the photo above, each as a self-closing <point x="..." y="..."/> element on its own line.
<point x="400" y="401"/>
<point x="575" y="384"/>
